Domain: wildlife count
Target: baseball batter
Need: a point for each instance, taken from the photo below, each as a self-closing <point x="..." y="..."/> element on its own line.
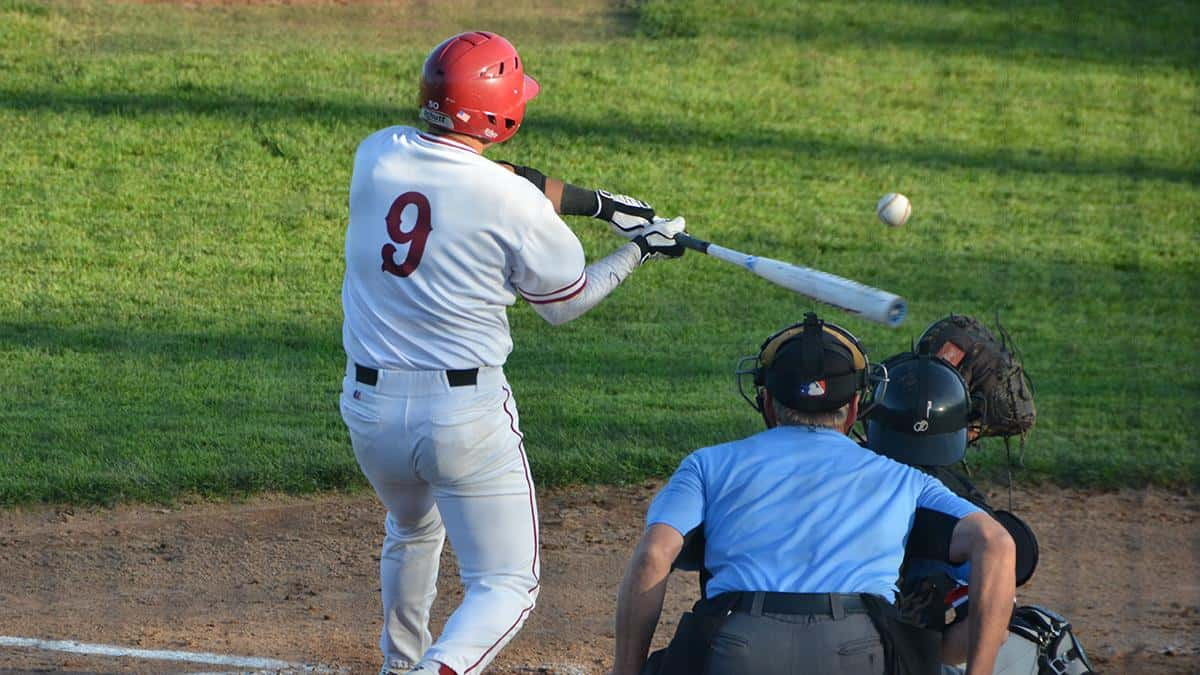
<point x="440" y="242"/>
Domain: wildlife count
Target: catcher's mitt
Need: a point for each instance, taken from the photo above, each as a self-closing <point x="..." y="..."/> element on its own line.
<point x="1001" y="392"/>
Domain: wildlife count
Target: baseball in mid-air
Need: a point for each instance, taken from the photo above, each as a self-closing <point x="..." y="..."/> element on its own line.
<point x="894" y="209"/>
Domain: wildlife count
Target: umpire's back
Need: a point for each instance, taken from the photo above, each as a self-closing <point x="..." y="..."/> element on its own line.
<point x="800" y="509"/>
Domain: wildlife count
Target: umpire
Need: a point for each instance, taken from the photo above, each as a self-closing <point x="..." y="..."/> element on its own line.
<point x="804" y="532"/>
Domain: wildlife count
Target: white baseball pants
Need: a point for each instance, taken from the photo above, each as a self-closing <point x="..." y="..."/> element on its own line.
<point x="447" y="460"/>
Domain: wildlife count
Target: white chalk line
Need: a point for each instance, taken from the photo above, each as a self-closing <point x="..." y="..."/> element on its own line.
<point x="255" y="663"/>
<point x="256" y="671"/>
<point x="556" y="668"/>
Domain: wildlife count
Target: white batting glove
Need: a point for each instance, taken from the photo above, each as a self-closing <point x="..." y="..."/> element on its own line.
<point x="627" y="216"/>
<point x="657" y="240"/>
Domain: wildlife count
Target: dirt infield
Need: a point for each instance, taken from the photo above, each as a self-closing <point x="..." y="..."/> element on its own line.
<point x="295" y="579"/>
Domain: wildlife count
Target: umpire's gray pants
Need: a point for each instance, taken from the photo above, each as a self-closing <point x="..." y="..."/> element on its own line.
<point x="793" y="644"/>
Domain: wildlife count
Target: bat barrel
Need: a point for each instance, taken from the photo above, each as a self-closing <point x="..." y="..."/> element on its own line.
<point x="870" y="303"/>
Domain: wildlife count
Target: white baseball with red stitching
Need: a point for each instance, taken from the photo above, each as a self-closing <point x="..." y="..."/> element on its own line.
<point x="894" y="209"/>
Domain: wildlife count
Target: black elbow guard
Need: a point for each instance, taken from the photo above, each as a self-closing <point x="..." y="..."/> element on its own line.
<point x="530" y="174"/>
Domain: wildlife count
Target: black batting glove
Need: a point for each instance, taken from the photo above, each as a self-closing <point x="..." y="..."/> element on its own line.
<point x="627" y="216"/>
<point x="658" y="239"/>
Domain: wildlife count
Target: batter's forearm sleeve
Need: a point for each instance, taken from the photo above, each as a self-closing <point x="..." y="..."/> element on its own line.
<point x="577" y="201"/>
<point x="602" y="277"/>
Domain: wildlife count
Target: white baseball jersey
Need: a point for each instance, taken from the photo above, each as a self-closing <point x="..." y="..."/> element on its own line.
<point x="440" y="242"/>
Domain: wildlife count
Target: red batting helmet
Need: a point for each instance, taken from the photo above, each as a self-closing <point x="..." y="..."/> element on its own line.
<point x="474" y="84"/>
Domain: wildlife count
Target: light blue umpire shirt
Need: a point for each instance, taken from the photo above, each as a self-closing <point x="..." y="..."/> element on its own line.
<point x="799" y="509"/>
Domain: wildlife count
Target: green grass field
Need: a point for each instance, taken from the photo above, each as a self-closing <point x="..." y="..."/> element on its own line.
<point x="174" y="185"/>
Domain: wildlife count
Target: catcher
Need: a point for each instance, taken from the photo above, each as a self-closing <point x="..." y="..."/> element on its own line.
<point x="963" y="384"/>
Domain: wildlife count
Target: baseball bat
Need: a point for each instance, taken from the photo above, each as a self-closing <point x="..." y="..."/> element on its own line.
<point x="870" y="303"/>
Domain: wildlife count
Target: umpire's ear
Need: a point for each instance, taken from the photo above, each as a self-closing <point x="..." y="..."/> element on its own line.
<point x="766" y="406"/>
<point x="851" y="415"/>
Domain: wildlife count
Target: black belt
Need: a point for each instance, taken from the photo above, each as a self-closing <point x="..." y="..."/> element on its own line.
<point x="836" y="605"/>
<point x="456" y="378"/>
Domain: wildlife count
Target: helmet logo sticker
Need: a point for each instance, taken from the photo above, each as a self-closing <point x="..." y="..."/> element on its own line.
<point x="814" y="388"/>
<point x="489" y="133"/>
<point x="462" y="115"/>
<point x="921" y="426"/>
<point x="434" y="117"/>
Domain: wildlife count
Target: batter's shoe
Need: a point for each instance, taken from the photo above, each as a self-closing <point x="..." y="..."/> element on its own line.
<point x="434" y="668"/>
<point x="395" y="669"/>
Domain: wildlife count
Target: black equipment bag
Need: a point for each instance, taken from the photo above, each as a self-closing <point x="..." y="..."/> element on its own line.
<point x="1059" y="651"/>
<point x="908" y="649"/>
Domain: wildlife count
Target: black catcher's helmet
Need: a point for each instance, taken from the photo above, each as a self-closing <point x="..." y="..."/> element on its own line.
<point x="921" y="418"/>
<point x="810" y="366"/>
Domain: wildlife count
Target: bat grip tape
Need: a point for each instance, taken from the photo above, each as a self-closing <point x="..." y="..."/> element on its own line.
<point x="691" y="242"/>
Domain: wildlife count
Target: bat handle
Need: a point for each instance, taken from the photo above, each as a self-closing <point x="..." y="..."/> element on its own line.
<point x="688" y="241"/>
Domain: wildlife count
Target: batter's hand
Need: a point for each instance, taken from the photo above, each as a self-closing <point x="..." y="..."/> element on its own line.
<point x="627" y="216"/>
<point x="657" y="239"/>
